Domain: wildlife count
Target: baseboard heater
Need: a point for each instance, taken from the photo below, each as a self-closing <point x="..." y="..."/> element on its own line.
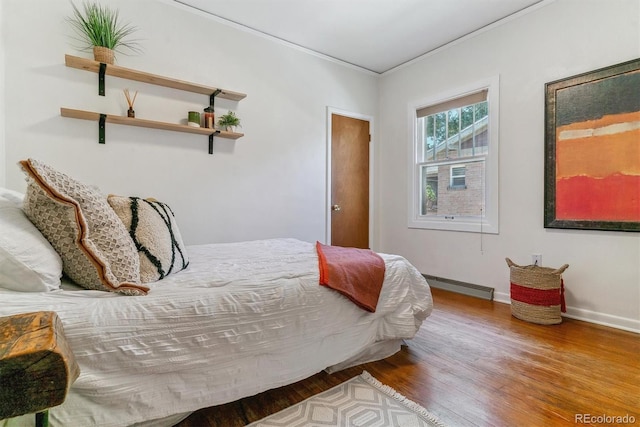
<point x="465" y="288"/>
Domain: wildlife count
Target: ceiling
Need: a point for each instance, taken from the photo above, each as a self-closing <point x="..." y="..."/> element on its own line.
<point x="377" y="35"/>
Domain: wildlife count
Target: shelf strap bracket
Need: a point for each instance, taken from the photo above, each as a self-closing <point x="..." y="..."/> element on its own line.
<point x="103" y="69"/>
<point x="101" y="127"/>
<point x="211" y="141"/>
<point x="42" y="418"/>
<point x="213" y="97"/>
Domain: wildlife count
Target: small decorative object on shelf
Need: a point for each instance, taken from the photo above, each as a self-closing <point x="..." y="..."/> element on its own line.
<point x="209" y="118"/>
<point x="130" y="101"/>
<point x="194" y="119"/>
<point x="229" y="121"/>
<point x="99" y="29"/>
<point x="104" y="54"/>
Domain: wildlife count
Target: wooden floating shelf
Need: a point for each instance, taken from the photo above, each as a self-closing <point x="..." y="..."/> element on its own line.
<point x="129" y="121"/>
<point x="127" y="73"/>
<point x="141" y="76"/>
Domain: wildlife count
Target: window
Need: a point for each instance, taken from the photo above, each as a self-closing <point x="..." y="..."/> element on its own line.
<point x="456" y="177"/>
<point x="454" y="173"/>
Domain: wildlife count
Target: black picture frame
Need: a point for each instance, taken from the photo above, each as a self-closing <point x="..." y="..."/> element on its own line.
<point x="592" y="150"/>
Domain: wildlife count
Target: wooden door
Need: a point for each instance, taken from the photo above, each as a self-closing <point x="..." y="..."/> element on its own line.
<point x="349" y="181"/>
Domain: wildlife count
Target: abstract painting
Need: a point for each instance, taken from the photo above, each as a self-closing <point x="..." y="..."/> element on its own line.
<point x="592" y="150"/>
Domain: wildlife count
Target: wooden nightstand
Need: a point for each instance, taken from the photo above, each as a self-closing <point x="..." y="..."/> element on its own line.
<point x="37" y="366"/>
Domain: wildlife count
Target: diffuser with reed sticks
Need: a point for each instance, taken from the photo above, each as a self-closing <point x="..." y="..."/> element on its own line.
<point x="130" y="101"/>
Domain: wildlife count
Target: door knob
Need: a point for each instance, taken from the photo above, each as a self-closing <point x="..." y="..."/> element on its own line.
<point x="335" y="208"/>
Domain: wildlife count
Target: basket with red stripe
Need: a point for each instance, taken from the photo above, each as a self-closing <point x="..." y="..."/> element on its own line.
<point x="537" y="293"/>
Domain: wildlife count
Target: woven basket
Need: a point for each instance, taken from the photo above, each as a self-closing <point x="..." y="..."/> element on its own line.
<point x="537" y="293"/>
<point x="103" y="54"/>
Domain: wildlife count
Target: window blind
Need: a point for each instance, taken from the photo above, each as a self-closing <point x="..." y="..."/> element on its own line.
<point x="463" y="101"/>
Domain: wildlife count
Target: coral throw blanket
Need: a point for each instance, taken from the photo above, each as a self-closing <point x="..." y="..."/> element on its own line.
<point x="355" y="273"/>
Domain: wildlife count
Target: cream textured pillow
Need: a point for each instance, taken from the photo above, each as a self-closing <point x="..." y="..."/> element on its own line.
<point x="96" y="250"/>
<point x="153" y="228"/>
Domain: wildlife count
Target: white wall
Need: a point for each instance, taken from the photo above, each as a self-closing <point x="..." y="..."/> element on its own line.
<point x="3" y="176"/>
<point x="270" y="183"/>
<point x="558" y="40"/>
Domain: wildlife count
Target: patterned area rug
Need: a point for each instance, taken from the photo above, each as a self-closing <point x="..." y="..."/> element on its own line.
<point x="363" y="401"/>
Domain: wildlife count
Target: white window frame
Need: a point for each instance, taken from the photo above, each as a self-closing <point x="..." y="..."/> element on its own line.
<point x="487" y="223"/>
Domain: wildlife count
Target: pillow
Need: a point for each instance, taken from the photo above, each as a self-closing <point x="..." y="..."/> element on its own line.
<point x="152" y="226"/>
<point x="96" y="250"/>
<point x="28" y="263"/>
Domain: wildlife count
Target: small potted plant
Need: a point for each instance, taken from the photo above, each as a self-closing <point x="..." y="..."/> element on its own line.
<point x="99" y="29"/>
<point x="229" y="121"/>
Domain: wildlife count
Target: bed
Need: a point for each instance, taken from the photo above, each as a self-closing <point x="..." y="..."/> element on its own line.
<point x="240" y="319"/>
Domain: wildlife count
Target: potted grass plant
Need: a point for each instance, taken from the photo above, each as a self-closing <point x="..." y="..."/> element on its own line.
<point x="99" y="28"/>
<point x="229" y="121"/>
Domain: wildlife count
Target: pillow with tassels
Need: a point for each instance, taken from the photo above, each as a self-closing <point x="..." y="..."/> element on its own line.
<point x="152" y="226"/>
<point x="96" y="250"/>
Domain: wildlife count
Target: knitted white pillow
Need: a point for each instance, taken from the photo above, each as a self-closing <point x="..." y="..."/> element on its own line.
<point x="153" y="228"/>
<point x="96" y="250"/>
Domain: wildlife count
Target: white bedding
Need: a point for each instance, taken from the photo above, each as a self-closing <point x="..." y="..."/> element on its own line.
<point x="242" y="318"/>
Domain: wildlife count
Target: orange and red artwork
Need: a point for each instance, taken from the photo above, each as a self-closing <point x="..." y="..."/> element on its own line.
<point x="593" y="150"/>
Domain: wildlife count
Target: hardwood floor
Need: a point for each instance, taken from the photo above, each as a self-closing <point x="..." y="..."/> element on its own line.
<point x="473" y="364"/>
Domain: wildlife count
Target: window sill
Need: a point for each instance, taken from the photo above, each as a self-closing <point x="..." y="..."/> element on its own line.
<point x="452" y="223"/>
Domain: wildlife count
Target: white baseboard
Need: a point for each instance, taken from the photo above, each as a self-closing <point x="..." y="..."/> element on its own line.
<point x="502" y="297"/>
<point x="626" y="324"/>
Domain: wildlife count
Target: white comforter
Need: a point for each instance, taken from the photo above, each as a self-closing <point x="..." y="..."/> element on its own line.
<point x="243" y="318"/>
